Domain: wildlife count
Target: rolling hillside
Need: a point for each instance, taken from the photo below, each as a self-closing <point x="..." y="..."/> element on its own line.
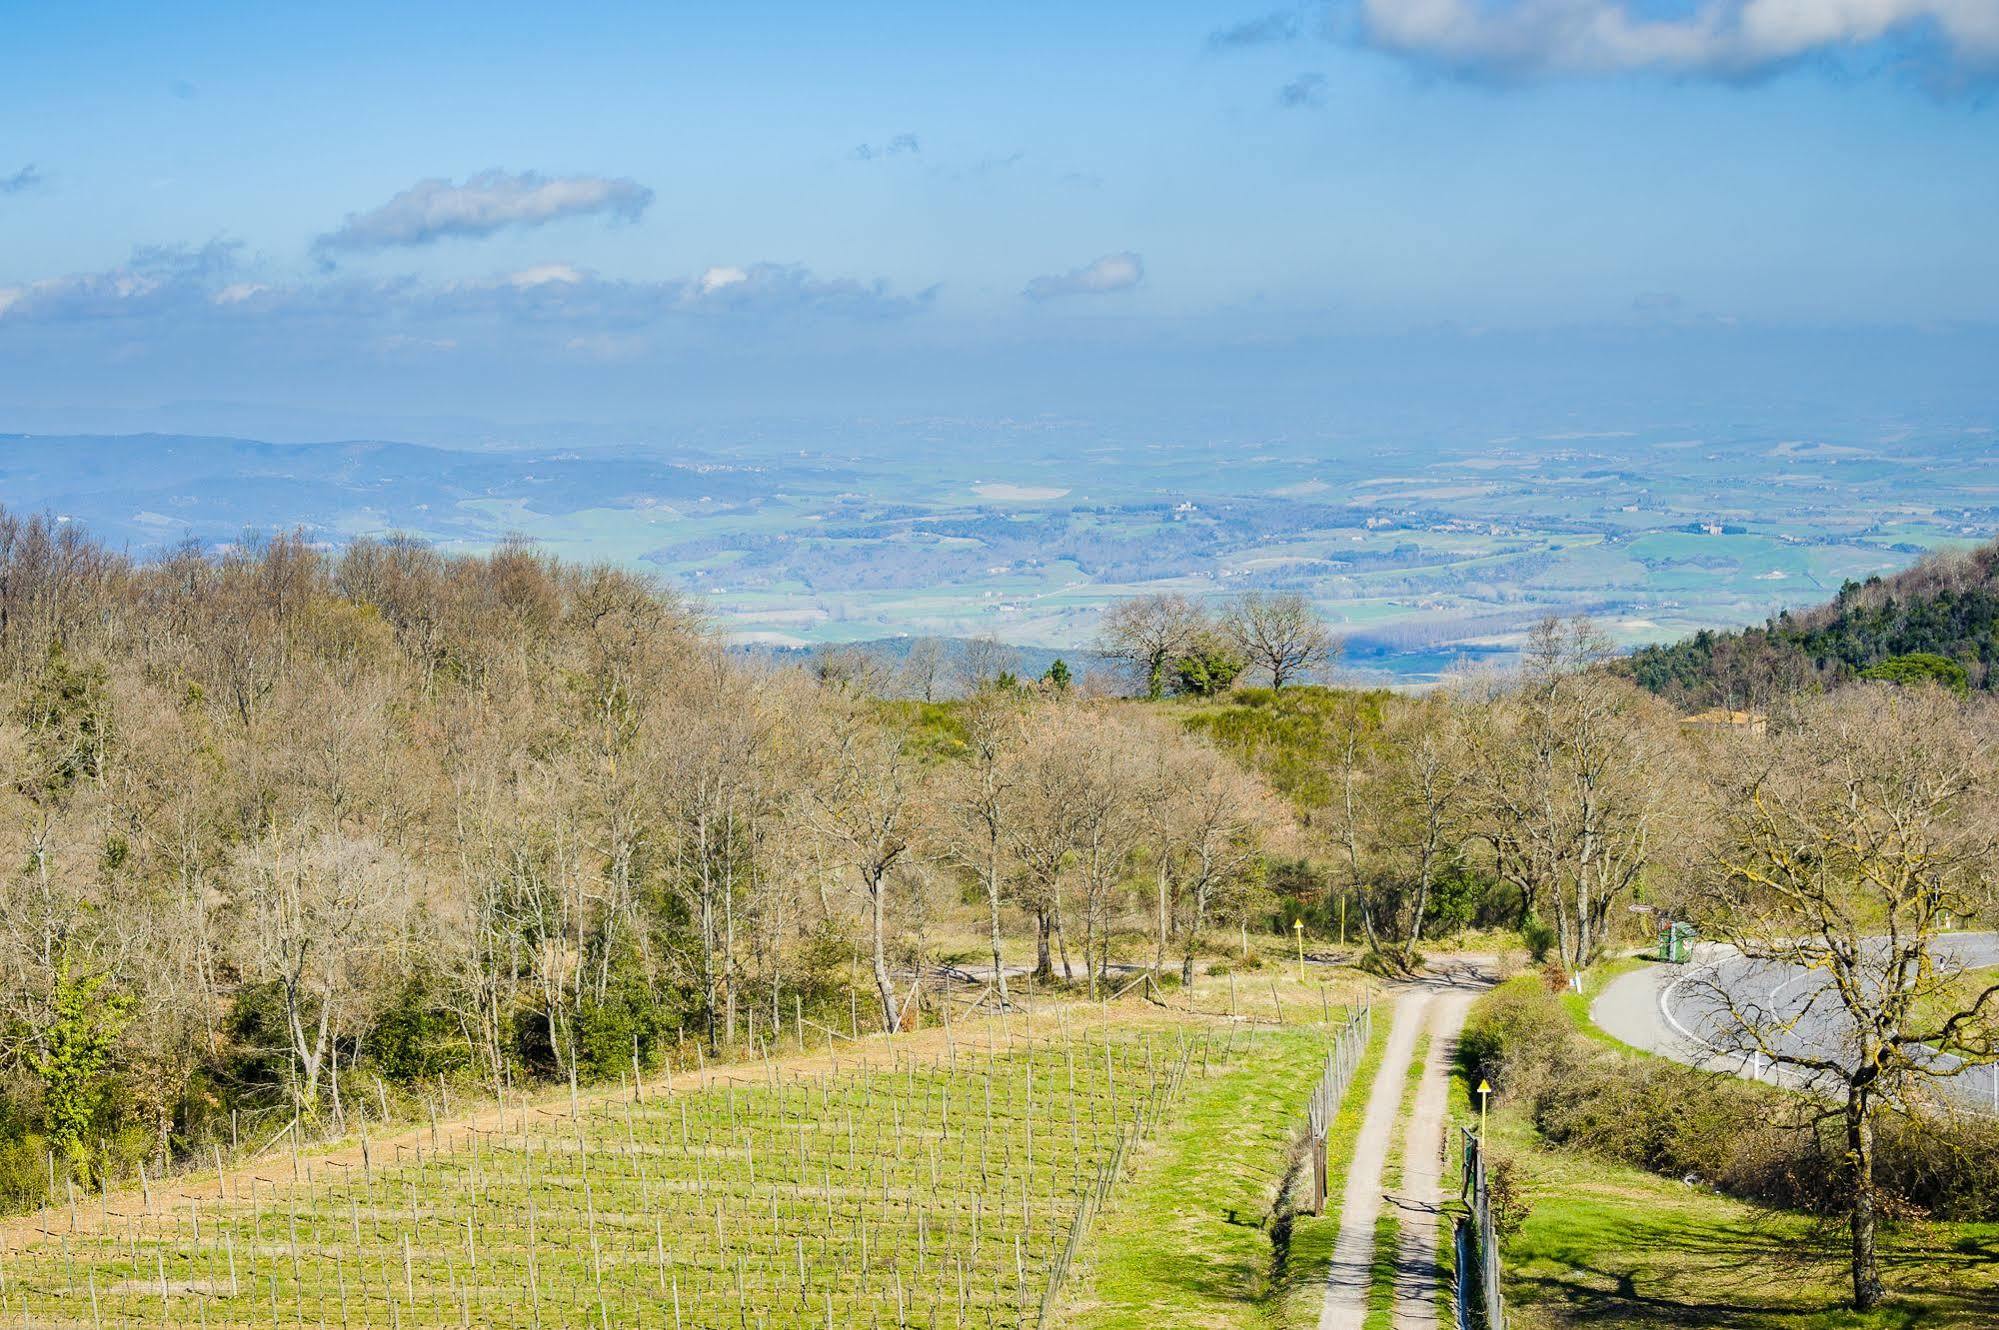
<point x="1947" y="606"/>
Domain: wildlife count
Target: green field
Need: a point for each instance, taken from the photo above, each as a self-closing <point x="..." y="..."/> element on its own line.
<point x="944" y="1188"/>
<point x="1195" y="1240"/>
<point x="932" y="1191"/>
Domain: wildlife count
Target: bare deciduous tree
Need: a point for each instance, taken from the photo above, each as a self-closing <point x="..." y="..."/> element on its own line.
<point x="981" y="800"/>
<point x="1280" y="634"/>
<point x="1145" y="633"/>
<point x="923" y="669"/>
<point x="861" y="804"/>
<point x="1223" y="820"/>
<point x="1565" y="783"/>
<point x="1844" y="846"/>
<point x="1425" y="781"/>
<point x="984" y="661"/>
<point x="322" y="909"/>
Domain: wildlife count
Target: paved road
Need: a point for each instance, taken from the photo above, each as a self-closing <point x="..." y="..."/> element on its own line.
<point x="1684" y="1012"/>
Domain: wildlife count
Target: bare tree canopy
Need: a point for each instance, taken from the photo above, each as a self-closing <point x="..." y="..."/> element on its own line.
<point x="1145" y="633"/>
<point x="1843" y="847"/>
<point x="1280" y="634"/>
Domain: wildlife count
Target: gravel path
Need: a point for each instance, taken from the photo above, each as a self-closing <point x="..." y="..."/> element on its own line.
<point x="1424" y="1187"/>
<point x="1345" y="1307"/>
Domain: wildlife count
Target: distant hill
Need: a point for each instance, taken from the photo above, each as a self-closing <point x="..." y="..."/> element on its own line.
<point x="1945" y="606"/>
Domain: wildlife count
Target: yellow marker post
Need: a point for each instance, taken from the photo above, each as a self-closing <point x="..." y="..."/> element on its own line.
<point x="1484" y="1092"/>
<point x="1298" y="926"/>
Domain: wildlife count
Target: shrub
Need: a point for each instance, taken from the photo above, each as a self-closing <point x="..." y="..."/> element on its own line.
<point x="1921" y="667"/>
<point x="1747" y="1139"/>
<point x="416" y="1039"/>
<point x="1537" y="937"/>
<point x="1510" y="1206"/>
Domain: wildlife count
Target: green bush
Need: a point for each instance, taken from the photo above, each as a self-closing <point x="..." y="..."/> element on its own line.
<point x="24" y="1173"/>
<point x="1749" y="1140"/>
<point x="1538" y="937"/>
<point x="416" y="1039"/>
<point x="631" y="1016"/>
<point x="1921" y="667"/>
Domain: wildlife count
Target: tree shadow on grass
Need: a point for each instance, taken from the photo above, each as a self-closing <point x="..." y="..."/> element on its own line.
<point x="1724" y="1275"/>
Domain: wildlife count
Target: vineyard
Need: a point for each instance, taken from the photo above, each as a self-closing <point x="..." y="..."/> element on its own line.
<point x="944" y="1190"/>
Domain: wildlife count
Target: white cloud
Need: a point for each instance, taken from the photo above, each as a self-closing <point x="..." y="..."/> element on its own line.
<point x="716" y="278"/>
<point x="237" y="292"/>
<point x="153" y="278"/>
<point x="1718" y="38"/>
<point x="1112" y="272"/>
<point x="488" y="202"/>
<point x="177" y="288"/>
<point x="562" y="274"/>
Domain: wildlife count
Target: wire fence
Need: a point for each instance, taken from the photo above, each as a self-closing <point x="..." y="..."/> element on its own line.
<point x="1477" y="1246"/>
<point x="1342" y="1059"/>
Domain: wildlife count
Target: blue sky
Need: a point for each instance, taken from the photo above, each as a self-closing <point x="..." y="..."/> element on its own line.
<point x="645" y="212"/>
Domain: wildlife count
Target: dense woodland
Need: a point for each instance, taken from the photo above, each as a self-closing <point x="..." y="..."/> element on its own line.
<point x="295" y="834"/>
<point x="1939" y="618"/>
<point x="291" y="829"/>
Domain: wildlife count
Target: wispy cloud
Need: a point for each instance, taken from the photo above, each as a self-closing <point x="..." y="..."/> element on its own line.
<point x="486" y="203"/>
<point x="1285" y="25"/>
<point x="1104" y="276"/>
<point x="900" y="146"/>
<point x="180" y="287"/>
<point x="21" y="181"/>
<point x="1728" y="39"/>
<point x="1307" y="90"/>
<point x="153" y="279"/>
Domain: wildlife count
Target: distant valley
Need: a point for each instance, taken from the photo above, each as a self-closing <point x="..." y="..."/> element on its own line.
<point x="1420" y="554"/>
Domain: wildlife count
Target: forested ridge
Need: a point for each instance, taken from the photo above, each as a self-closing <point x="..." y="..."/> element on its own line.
<point x="1945" y="609"/>
<point x="293" y="833"/>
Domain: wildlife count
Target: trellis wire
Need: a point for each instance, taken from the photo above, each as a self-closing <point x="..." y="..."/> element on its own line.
<point x="948" y="1192"/>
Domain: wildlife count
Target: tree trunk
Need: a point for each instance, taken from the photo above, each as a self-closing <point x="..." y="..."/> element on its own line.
<point x="1194" y="935"/>
<point x="1422" y="901"/>
<point x="884" y="985"/>
<point x="1062" y="945"/>
<point x="1044" y="961"/>
<point x="993" y="908"/>
<point x="1867" y="1287"/>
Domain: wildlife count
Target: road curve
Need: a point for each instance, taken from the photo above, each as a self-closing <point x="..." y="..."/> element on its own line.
<point x="1684" y="1012"/>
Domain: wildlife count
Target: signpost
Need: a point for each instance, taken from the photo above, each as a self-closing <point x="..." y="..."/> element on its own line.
<point x="1298" y="926"/>
<point x="1484" y="1093"/>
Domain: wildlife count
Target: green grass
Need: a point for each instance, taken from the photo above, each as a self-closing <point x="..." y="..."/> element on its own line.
<point x="1610" y="1245"/>
<point x="933" y="1188"/>
<point x="1188" y="1242"/>
<point x="1381" y="1271"/>
<point x="1605" y="1244"/>
<point x="1388" y="1225"/>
